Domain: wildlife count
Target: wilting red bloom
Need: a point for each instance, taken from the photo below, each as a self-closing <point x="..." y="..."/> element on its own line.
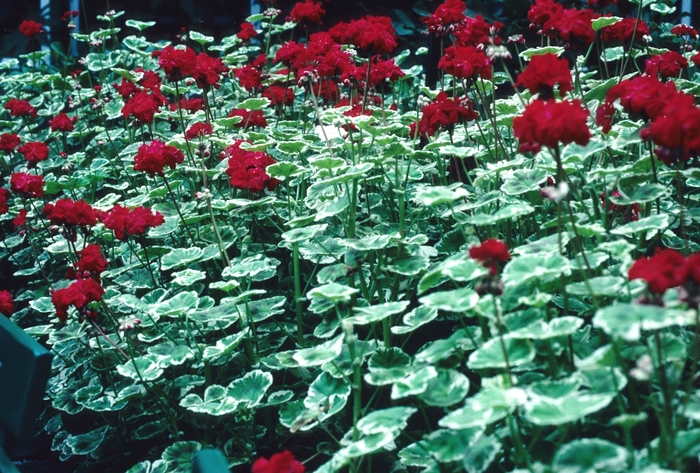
<point x="176" y="63"/>
<point x="30" y="28"/>
<point x="604" y="115"/>
<point x="278" y="463"/>
<point x="62" y="122"/>
<point x="20" y="108"/>
<point x="7" y="303"/>
<point x="629" y="212"/>
<point x="70" y="212"/>
<point x="624" y="29"/>
<point x="193" y="104"/>
<point x="246" y="169"/>
<point x="550" y="123"/>
<point x="126" y="89"/>
<point x="443" y="113"/>
<point x="249" y="77"/>
<point x="208" y="71"/>
<point x="34" y="151"/>
<point x="676" y="130"/>
<point x="490" y="253"/>
<point x="572" y="26"/>
<point x="543" y="72"/>
<point x="91" y="260"/>
<point x="685" y="30"/>
<point x="446" y="17"/>
<point x="29" y="185"/>
<point x="465" y="62"/>
<point x="644" y="95"/>
<point x="4" y="195"/>
<point x="20" y="220"/>
<point x="375" y="32"/>
<point x="473" y="32"/>
<point x="279" y="95"/>
<point x="126" y="222"/>
<point x="152" y="158"/>
<point x="142" y="106"/>
<point x="79" y="294"/>
<point x="8" y="142"/>
<point x="198" y="130"/>
<point x="310" y="11"/>
<point x="661" y="272"/>
<point x="247" y="31"/>
<point x="250" y="118"/>
<point x="542" y="10"/>
<point x="668" y="64"/>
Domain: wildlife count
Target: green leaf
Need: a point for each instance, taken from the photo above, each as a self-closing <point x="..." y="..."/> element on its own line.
<point x="178" y="305"/>
<point x="249" y="390"/>
<point x="541" y="330"/>
<point x="651" y="224"/>
<point x="529" y="52"/>
<point x="181" y="257"/>
<point x="369" y="243"/>
<point x="258" y="268"/>
<point x="599" y="23"/>
<point x="158" y="466"/>
<point x="283" y="171"/>
<point x="540" y="267"/>
<point x="319" y="354"/>
<point x="141" y="368"/>
<point x="188" y="277"/>
<point x="457" y="300"/>
<point x="139" y="25"/>
<point x="297" y="235"/>
<point x="223" y="348"/>
<point x="393" y="419"/>
<point x="628" y="320"/>
<point x="544" y="410"/>
<point x="254" y="104"/>
<point x="505" y="213"/>
<point x="490" y="355"/>
<point x="415" y="383"/>
<point x="387" y="366"/>
<point x="200" y="38"/>
<point x="486" y="407"/>
<point x="432" y="196"/>
<point x="524" y="180"/>
<point x="599" y="286"/>
<point x="216" y="402"/>
<point x="87" y="443"/>
<point x="411" y="266"/>
<point x="324" y="389"/>
<point x="416" y="318"/>
<point x="480" y="456"/>
<point x="450" y="445"/>
<point x="180" y="456"/>
<point x="372" y="314"/>
<point x="333" y="292"/>
<point x="447" y="389"/>
<point x="646" y="193"/>
<point x="586" y="455"/>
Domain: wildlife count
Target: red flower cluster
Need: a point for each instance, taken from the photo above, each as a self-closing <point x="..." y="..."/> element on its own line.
<point x="31" y="29"/>
<point x="20" y="220"/>
<point x="278" y="463"/>
<point x="380" y="72"/>
<point x="20" y="108"/>
<point x="278" y="95"/>
<point x="623" y="30"/>
<point x="180" y="63"/>
<point x="91" y="262"/>
<point x="643" y="95"/>
<point x="7" y="303"/>
<point x="192" y="104"/>
<point x="374" y="33"/>
<point x="208" y="71"/>
<point x="142" y="106"/>
<point x="685" y="30"/>
<point x="249" y="77"/>
<point x="446" y="17"/>
<point x="247" y="31"/>
<point x="4" y="196"/>
<point x="550" y="123"/>
<point x="475" y="32"/>
<point x="676" y="130"/>
<point x="543" y="73"/>
<point x="198" y="130"/>
<point x="70" y="213"/>
<point x="8" y="142"/>
<point x="249" y="118"/>
<point x="667" y="65"/>
<point x="125" y="222"/>
<point x="152" y="158"/>
<point x="62" y="122"/>
<point x="308" y="12"/>
<point x="572" y="26"/>
<point x="490" y="253"/>
<point x="79" y="294"/>
<point x="34" y="152"/>
<point x="465" y="62"/>
<point x="666" y="269"/>
<point x="26" y="184"/>
<point x="444" y="113"/>
<point x="629" y="212"/>
<point x="246" y="169"/>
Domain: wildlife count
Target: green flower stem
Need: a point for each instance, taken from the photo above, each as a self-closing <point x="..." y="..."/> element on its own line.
<point x="499" y="322"/>
<point x="146" y="264"/>
<point x="320" y="122"/>
<point x="182" y="124"/>
<point x="667" y="437"/>
<point x="177" y="207"/>
<point x="297" y="295"/>
<point x="109" y="340"/>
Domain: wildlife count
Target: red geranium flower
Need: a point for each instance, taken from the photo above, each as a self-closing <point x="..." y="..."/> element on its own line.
<point x="4" y="195"/>
<point x="7" y="303"/>
<point x="308" y="12"/>
<point x="208" y="71"/>
<point x="126" y="222"/>
<point x="30" y="28"/>
<point x="624" y="29"/>
<point x="661" y="272"/>
<point x="676" y="130"/>
<point x="193" y="104"/>
<point x="541" y="11"/>
<point x="666" y="65"/>
<point x="152" y="158"/>
<point x="279" y="95"/>
<point x="91" y="260"/>
<point x="543" y="72"/>
<point x="62" y="122"/>
<point x="79" y="294"/>
<point x="684" y="30"/>
<point x="20" y="108"/>
<point x="249" y="118"/>
<point x="644" y="95"/>
<point x="573" y="26"/>
<point x="20" y="220"/>
<point x="247" y="31"/>
<point x="126" y="89"/>
<point x="8" y="142"/>
<point x="465" y="62"/>
<point x="629" y="212"/>
<point x="371" y="32"/>
<point x="141" y="106"/>
<point x="490" y="253"/>
<point x="176" y="63"/>
<point x="246" y="169"/>
<point x="604" y="115"/>
<point x="444" y="113"/>
<point x="473" y="32"/>
<point x="198" y="130"/>
<point x="446" y="17"/>
<point x="29" y="185"/>
<point x="249" y="77"/>
<point x="34" y="151"/>
<point x="278" y="463"/>
<point x="70" y="212"/>
<point x="550" y="123"/>
<point x="695" y="58"/>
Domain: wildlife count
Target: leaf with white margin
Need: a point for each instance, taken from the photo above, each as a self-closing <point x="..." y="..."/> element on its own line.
<point x="628" y="320"/>
<point x="320" y="354"/>
<point x="542" y="267"/>
<point x="505" y="213"/>
<point x="416" y="318"/>
<point x="250" y="389"/>
<point x="141" y="368"/>
<point x="490" y="355"/>
<point x="414" y="383"/>
<point x="590" y="455"/>
<point x="480" y="456"/>
<point x="650" y="224"/>
<point x="449" y="388"/>
<point x="435" y="195"/>
<point x="225" y="345"/>
<point x="457" y="300"/>
<point x="333" y="292"/>
<point x="180" y="456"/>
<point x="447" y="445"/>
<point x="544" y="410"/>
<point x="486" y="407"/>
<point x="367" y="445"/>
<point x="541" y="330"/>
<point x="387" y="366"/>
<point x="393" y="419"/>
<point x="599" y="286"/>
<point x="375" y="313"/>
<point x="216" y="402"/>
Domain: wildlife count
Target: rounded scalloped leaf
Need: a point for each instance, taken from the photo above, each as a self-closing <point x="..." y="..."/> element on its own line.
<point x="505" y="213"/>
<point x="545" y="410"/>
<point x="587" y="455"/>
<point x="393" y="419"/>
<point x="628" y="320"/>
<point x="414" y="383"/>
<point x="375" y="313"/>
<point x="447" y="389"/>
<point x="323" y="387"/>
<point x="333" y="292"/>
<point x="223" y="348"/>
<point x="434" y="195"/>
<point x="541" y="330"/>
<point x="524" y="180"/>
<point x="251" y="388"/>
<point x="181" y="257"/>
<point x="297" y="235"/>
<point x="542" y="267"/>
<point x="387" y="366"/>
<point x="490" y="355"/>
<point x="320" y="354"/>
<point x="180" y="456"/>
<point x="416" y="318"/>
<point x="141" y="368"/>
<point x="457" y="300"/>
<point x="188" y="276"/>
<point x="598" y="286"/>
<point x="176" y="305"/>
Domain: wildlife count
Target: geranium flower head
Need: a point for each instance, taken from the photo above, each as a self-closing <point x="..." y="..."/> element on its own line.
<point x="247" y="31"/>
<point x="541" y="11"/>
<point x="283" y="462"/>
<point x="676" y="129"/>
<point x="125" y="222"/>
<point x="465" y="62"/>
<point x="474" y="32"/>
<point x="443" y="113"/>
<point x="91" y="260"/>
<point x="572" y="26"/>
<point x="208" y="71"/>
<point x="20" y="220"/>
<point x="8" y="142"/>
<point x="278" y="95"/>
<point x="249" y="118"/>
<point x="7" y="303"/>
<point x="666" y="65"/>
<point x="79" y="294"/>
<point x="307" y="12"/>
<point x="550" y="123"/>
<point x="661" y="271"/>
<point x="198" y="130"/>
<point x="34" y="151"/>
<point x="249" y="77"/>
<point x="446" y="17"/>
<point x="490" y="253"/>
<point x="177" y="63"/>
<point x="4" y="196"/>
<point x="152" y="158"/>
<point x="142" y="106"/>
<point x="20" y="108"/>
<point x="685" y="30"/>
<point x="644" y="95"/>
<point x="29" y="185"/>
<point x="246" y="169"/>
<point x="544" y="72"/>
<point x="62" y="122"/>
<point x="624" y="29"/>
<point x="31" y="29"/>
